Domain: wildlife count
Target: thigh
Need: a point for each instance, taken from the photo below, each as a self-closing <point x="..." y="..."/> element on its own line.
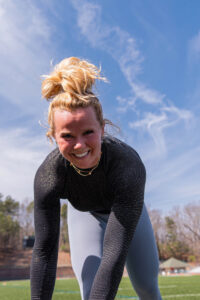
<point x="142" y="260"/>
<point x="86" y="233"/>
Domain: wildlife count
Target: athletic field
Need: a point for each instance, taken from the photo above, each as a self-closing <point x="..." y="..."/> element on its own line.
<point x="177" y="288"/>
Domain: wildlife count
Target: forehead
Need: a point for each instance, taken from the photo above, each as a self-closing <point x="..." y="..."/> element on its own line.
<point x="81" y="117"/>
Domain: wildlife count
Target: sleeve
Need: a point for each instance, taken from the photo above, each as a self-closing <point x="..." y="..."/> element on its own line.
<point x="47" y="226"/>
<point x="128" y="191"/>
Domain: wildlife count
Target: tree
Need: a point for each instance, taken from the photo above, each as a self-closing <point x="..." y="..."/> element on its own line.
<point x="9" y="207"/>
<point x="9" y="225"/>
<point x="173" y="245"/>
<point x="26" y="218"/>
<point x="178" y="234"/>
<point x="188" y="221"/>
<point x="158" y="227"/>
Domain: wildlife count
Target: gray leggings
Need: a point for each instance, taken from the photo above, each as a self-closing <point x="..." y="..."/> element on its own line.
<point x="86" y="233"/>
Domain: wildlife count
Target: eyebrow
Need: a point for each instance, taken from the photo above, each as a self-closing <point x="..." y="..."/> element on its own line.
<point x="70" y="132"/>
<point x="65" y="133"/>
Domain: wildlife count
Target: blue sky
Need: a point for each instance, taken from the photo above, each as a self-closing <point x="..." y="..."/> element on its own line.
<point x="150" y="53"/>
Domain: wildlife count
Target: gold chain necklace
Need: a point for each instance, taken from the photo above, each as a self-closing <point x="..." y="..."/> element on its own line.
<point x="84" y="172"/>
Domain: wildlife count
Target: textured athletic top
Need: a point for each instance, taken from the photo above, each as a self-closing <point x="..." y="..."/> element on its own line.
<point x="115" y="187"/>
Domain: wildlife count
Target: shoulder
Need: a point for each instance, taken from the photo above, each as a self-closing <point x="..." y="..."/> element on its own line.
<point x="52" y="168"/>
<point x="122" y="161"/>
<point x="52" y="161"/>
<point x="118" y="150"/>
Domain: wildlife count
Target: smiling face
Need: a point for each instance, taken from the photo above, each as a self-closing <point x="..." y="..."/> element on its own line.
<point x="78" y="134"/>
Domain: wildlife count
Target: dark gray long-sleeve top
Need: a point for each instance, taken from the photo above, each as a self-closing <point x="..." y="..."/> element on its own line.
<point x="115" y="187"/>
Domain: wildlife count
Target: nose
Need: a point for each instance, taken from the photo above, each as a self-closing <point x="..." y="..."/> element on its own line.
<point x="79" y="144"/>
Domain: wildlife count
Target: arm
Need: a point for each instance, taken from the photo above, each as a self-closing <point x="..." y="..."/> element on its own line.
<point x="126" y="210"/>
<point x="47" y="224"/>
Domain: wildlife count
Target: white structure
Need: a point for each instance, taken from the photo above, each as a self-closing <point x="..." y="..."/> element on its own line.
<point x="195" y="270"/>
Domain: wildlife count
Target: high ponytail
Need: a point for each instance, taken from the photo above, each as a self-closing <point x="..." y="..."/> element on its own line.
<point x="72" y="76"/>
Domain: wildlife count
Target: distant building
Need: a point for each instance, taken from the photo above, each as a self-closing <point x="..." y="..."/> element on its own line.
<point x="173" y="265"/>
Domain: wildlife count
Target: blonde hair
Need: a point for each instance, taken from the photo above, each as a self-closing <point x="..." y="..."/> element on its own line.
<point x="69" y="87"/>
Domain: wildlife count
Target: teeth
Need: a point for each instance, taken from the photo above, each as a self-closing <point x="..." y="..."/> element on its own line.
<point x="82" y="154"/>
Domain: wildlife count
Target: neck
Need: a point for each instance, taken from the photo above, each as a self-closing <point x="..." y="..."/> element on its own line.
<point x="85" y="172"/>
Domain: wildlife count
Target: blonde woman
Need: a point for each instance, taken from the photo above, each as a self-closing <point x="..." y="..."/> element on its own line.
<point x="103" y="180"/>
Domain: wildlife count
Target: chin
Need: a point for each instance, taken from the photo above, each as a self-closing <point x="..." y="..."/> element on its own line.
<point x="83" y="165"/>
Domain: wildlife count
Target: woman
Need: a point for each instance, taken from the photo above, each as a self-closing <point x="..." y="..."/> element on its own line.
<point x="103" y="179"/>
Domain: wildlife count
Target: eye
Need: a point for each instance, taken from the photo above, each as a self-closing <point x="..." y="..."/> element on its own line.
<point x="66" y="136"/>
<point x="88" y="132"/>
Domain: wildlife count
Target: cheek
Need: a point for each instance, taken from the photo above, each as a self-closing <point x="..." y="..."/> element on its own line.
<point x="63" y="146"/>
<point x="95" y="141"/>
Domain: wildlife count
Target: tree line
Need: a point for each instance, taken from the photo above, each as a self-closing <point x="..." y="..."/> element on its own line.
<point x="17" y="222"/>
<point x="177" y="234"/>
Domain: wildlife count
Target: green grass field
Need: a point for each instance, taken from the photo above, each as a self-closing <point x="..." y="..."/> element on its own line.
<point x="186" y="288"/>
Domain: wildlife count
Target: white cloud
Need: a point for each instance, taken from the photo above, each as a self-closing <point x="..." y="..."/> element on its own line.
<point x="117" y="42"/>
<point x="149" y="96"/>
<point x="156" y="124"/>
<point x="194" y="46"/>
<point x="173" y="180"/>
<point x="89" y="14"/>
<point x="182" y="114"/>
<point x="176" y="167"/>
<point x="24" y="40"/>
<point x="21" y="155"/>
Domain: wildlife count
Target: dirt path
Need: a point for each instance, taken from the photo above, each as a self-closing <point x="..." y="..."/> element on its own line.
<point x="22" y="258"/>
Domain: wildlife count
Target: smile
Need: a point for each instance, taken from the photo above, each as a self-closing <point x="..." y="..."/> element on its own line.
<point x="81" y="154"/>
